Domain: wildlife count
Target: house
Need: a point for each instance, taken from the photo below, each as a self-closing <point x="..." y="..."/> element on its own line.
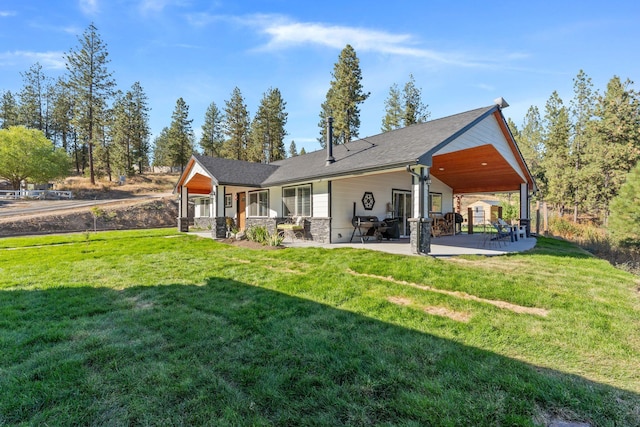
<point x="408" y="173"/>
<point x="484" y="211"/>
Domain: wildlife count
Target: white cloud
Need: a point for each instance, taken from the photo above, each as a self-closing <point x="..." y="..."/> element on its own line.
<point x="89" y="7"/>
<point x="284" y="33"/>
<point x="7" y="13"/>
<point x="48" y="60"/>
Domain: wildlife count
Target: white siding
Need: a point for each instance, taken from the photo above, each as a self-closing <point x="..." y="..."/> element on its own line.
<point x="438" y="186"/>
<point x="275" y="202"/>
<point x="320" y="200"/>
<point x="486" y="132"/>
<point x="344" y="192"/>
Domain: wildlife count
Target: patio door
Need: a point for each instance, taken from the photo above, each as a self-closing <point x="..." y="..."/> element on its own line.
<point x="402" y="210"/>
<point x="242" y="210"/>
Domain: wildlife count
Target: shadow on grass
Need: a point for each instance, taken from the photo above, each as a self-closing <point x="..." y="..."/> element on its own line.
<point x="232" y="354"/>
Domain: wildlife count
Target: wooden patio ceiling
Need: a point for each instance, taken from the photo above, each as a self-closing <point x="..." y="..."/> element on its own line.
<point x="476" y="170"/>
<point x="199" y="184"/>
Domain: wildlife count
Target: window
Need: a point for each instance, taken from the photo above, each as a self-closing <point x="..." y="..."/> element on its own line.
<point x="435" y="203"/>
<point x="296" y="201"/>
<point x="228" y="202"/>
<point x="203" y="207"/>
<point x="259" y="203"/>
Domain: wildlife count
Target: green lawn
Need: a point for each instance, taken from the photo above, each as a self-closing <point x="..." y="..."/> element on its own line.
<point x="159" y="328"/>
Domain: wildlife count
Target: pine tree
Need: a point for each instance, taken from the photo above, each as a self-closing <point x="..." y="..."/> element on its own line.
<point x="130" y="131"/>
<point x="624" y="222"/>
<point x="414" y="110"/>
<point x="530" y="143"/>
<point x="8" y="110"/>
<point x="343" y="97"/>
<point x="404" y="109"/>
<point x="180" y="135"/>
<point x="394" y="112"/>
<point x="91" y="85"/>
<point x="103" y="153"/>
<point x="236" y="127"/>
<point x="293" y="151"/>
<point x="556" y="160"/>
<point x="161" y="151"/>
<point x="62" y="130"/>
<point x="615" y="141"/>
<point x="267" y="129"/>
<point x="32" y="105"/>
<point x="212" y="138"/>
<point x="302" y="151"/>
<point x="582" y="106"/>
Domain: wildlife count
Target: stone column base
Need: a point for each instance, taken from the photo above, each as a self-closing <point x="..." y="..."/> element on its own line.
<point x="420" y="237"/>
<point x="183" y="225"/>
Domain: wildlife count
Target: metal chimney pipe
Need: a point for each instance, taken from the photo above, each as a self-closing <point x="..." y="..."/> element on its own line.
<point x="330" y="158"/>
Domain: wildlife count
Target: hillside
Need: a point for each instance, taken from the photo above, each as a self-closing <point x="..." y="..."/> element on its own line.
<point x="141" y="202"/>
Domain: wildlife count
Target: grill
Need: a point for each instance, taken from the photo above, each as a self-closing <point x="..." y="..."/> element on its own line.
<point x="367" y="226"/>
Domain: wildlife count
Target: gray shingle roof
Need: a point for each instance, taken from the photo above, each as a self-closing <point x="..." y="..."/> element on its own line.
<point x="397" y="148"/>
<point x="236" y="172"/>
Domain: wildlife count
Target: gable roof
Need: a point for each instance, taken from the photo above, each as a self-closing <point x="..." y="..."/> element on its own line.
<point x="412" y="145"/>
<point x="236" y="172"/>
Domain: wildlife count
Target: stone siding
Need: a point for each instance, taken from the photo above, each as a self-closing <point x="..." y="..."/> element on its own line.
<point x="420" y="244"/>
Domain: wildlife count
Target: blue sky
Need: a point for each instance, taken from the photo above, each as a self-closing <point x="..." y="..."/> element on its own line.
<point x="463" y="54"/>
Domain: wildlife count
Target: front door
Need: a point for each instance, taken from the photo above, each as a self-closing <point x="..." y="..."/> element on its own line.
<point x="402" y="210"/>
<point x="242" y="210"/>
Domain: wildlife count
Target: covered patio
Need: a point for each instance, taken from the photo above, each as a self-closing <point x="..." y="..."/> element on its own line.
<point x="444" y="246"/>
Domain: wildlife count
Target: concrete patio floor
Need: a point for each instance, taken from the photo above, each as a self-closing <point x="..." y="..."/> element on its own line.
<point x="443" y="246"/>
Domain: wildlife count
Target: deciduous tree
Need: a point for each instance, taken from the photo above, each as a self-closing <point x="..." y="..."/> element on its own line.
<point x="27" y="155"/>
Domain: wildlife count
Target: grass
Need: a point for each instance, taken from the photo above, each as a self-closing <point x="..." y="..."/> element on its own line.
<point x="158" y="328"/>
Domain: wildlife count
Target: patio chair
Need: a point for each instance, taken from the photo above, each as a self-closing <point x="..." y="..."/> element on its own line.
<point x="513" y="230"/>
<point x="502" y="235"/>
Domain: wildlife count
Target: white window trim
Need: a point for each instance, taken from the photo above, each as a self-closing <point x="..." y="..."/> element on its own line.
<point x="296" y="188"/>
<point x="249" y="204"/>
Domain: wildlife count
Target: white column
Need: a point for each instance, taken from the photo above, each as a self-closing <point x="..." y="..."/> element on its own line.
<point x="214" y="201"/>
<point x="184" y="202"/>
<point x="524" y="201"/>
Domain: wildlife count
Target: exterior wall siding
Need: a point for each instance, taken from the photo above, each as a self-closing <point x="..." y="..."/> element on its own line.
<point x="349" y="190"/>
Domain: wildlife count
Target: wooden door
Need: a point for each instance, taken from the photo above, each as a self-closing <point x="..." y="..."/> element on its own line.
<point x="242" y="210"/>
